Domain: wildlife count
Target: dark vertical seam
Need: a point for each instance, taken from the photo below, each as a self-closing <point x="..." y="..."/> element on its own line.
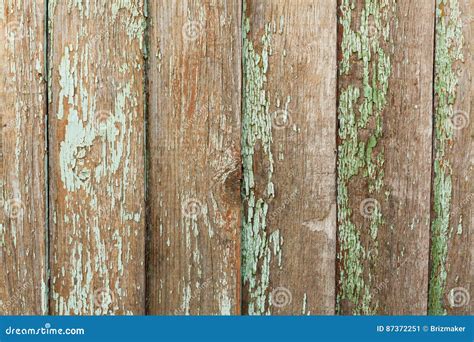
<point x="47" y="160"/>
<point x="336" y="174"/>
<point x="146" y="97"/>
<point x="433" y="156"/>
<point x="242" y="94"/>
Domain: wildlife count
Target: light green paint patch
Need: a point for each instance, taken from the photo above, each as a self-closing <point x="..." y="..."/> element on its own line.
<point x="305" y="304"/>
<point x="2" y="235"/>
<point x="459" y="231"/>
<point x="186" y="302"/>
<point x="225" y="302"/>
<point x="256" y="131"/>
<point x="96" y="150"/>
<point x="449" y="43"/>
<point x="360" y="111"/>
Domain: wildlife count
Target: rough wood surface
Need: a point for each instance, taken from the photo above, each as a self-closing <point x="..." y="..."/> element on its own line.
<point x="384" y="159"/>
<point x="23" y="272"/>
<point x="96" y="141"/>
<point x="256" y="157"/>
<point x="194" y="157"/>
<point x="288" y="149"/>
<point x="452" y="242"/>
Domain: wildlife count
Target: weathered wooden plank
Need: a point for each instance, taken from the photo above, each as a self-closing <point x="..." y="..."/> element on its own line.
<point x="452" y="243"/>
<point x="289" y="128"/>
<point x="97" y="157"/>
<point x="23" y="270"/>
<point x="194" y="157"/>
<point x="384" y="155"/>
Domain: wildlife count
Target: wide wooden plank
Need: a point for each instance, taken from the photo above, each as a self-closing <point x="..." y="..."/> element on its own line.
<point x="288" y="149"/>
<point x="23" y="262"/>
<point x="452" y="243"/>
<point x="97" y="168"/>
<point x="384" y="155"/>
<point x="194" y="157"/>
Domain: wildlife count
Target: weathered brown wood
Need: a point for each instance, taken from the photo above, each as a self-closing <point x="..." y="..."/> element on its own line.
<point x="96" y="140"/>
<point x="23" y="267"/>
<point x="194" y="157"/>
<point x="452" y="243"/>
<point x="384" y="155"/>
<point x="289" y="128"/>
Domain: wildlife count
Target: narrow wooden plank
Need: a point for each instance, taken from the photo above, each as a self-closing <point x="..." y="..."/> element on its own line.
<point x="384" y="155"/>
<point x="194" y="157"/>
<point x="23" y="270"/>
<point x="97" y="157"/>
<point x="452" y="242"/>
<point x="289" y="128"/>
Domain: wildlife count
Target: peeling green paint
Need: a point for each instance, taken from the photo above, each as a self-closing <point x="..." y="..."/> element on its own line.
<point x="305" y="304"/>
<point x="360" y="115"/>
<point x="448" y="51"/>
<point x="95" y="153"/>
<point x="256" y="131"/>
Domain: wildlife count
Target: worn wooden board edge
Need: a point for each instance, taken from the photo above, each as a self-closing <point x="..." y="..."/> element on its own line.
<point x="451" y="275"/>
<point x="193" y="247"/>
<point x="278" y="276"/>
<point x="357" y="157"/>
<point x="378" y="270"/>
<point x="98" y="121"/>
<point x="24" y="209"/>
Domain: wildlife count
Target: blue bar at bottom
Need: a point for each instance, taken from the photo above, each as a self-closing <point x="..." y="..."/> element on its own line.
<point x="237" y="328"/>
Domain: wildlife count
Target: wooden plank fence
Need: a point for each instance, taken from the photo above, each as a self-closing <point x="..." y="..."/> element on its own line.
<point x="227" y="157"/>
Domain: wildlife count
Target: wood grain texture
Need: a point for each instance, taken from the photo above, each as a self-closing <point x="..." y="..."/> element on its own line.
<point x="216" y="157"/>
<point x="23" y="270"/>
<point x="289" y="127"/>
<point x="452" y="243"/>
<point x="384" y="160"/>
<point x="97" y="168"/>
<point x="194" y="157"/>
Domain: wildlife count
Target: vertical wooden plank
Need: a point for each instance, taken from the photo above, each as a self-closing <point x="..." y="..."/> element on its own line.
<point x="194" y="160"/>
<point x="384" y="155"/>
<point x="97" y="157"/>
<point x="23" y="273"/>
<point x="288" y="151"/>
<point x="452" y="243"/>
